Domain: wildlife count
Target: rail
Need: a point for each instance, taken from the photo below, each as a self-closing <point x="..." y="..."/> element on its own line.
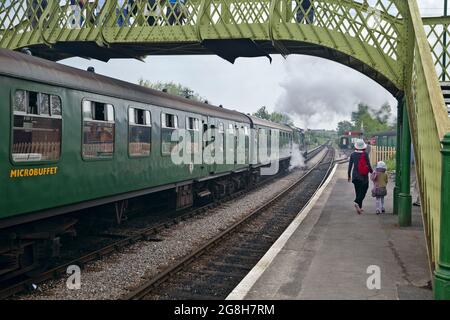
<point x="149" y="285"/>
<point x="143" y="234"/>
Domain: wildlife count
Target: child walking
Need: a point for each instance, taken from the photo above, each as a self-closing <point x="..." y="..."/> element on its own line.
<point x="380" y="181"/>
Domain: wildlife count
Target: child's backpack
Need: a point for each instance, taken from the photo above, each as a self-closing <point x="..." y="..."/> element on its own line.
<point x="363" y="168"/>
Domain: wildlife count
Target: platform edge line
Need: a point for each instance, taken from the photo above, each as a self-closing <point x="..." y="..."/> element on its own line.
<point x="243" y="288"/>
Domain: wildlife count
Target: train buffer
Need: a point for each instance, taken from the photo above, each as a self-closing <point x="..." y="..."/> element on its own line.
<point x="330" y="252"/>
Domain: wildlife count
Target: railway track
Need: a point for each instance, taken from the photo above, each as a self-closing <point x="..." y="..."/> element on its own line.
<point x="213" y="270"/>
<point x="145" y="234"/>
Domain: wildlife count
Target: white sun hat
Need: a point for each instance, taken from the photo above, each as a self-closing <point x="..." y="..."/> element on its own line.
<point x="360" y="144"/>
<point x="381" y="165"/>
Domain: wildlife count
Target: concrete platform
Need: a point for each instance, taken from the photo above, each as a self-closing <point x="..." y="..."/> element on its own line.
<point x="326" y="252"/>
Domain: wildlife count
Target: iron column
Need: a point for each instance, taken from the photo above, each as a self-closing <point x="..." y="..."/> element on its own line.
<point x="397" y="154"/>
<point x="442" y="272"/>
<point x="404" y="197"/>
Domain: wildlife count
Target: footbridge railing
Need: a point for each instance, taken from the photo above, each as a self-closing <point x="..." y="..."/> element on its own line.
<point x="437" y="30"/>
<point x="371" y="32"/>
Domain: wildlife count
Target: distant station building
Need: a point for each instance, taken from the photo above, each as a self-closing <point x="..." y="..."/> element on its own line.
<point x="385" y="139"/>
<point x="347" y="140"/>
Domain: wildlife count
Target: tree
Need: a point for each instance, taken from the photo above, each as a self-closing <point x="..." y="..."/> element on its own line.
<point x="384" y="113"/>
<point x="344" y="126"/>
<point x="318" y="137"/>
<point x="262" y="113"/>
<point x="371" y="120"/>
<point x="173" y="88"/>
<point x="277" y="117"/>
<point x="281" y="118"/>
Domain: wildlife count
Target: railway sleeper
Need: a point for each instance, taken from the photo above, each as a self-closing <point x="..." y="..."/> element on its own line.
<point x="32" y="247"/>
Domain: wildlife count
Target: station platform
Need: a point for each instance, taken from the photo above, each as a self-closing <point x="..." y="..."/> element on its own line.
<point x="326" y="252"/>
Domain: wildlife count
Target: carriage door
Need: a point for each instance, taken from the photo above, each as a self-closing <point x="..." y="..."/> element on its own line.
<point x="208" y="134"/>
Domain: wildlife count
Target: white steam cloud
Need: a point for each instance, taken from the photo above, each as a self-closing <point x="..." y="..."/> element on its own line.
<point x="297" y="159"/>
<point x="318" y="93"/>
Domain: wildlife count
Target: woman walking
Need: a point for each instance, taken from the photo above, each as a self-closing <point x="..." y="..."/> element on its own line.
<point x="358" y="173"/>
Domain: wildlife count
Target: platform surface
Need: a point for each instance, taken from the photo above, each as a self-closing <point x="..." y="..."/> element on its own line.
<point x="328" y="255"/>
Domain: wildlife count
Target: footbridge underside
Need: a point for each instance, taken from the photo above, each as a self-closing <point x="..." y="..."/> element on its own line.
<point x="372" y="32"/>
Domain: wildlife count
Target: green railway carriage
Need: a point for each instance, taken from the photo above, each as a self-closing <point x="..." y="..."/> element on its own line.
<point x="284" y="139"/>
<point x="385" y="139"/>
<point x="90" y="137"/>
<point x="73" y="139"/>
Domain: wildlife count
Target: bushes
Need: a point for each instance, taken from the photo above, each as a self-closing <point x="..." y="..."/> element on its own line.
<point x="391" y="165"/>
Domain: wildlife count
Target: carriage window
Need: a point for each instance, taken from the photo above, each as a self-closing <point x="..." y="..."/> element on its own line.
<point x="98" y="130"/>
<point x="55" y="105"/>
<point x="44" y="104"/>
<point x="32" y="103"/>
<point x="192" y="124"/>
<point x="169" y="121"/>
<point x="20" y="101"/>
<point x="246" y="131"/>
<point x="140" y="132"/>
<point x="230" y="129"/>
<point x="36" y="132"/>
<point x="169" y="124"/>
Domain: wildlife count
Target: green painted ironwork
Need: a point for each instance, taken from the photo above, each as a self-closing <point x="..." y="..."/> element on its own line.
<point x="387" y="40"/>
<point x="444" y="61"/>
<point x="404" y="196"/>
<point x="372" y="35"/>
<point x="442" y="273"/>
<point x="400" y="103"/>
<point x="438" y="32"/>
<point x="429" y="123"/>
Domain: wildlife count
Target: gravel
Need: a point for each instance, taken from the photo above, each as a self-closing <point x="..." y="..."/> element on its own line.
<point x="109" y="277"/>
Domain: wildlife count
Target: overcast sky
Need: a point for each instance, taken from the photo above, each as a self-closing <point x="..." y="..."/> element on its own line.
<point x="316" y="93"/>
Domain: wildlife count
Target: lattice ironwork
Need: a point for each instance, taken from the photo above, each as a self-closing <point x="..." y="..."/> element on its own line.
<point x="438" y="34"/>
<point x="429" y="123"/>
<point x="371" y="31"/>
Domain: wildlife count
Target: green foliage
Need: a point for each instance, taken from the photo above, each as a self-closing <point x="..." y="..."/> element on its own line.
<point x="344" y="126"/>
<point x="281" y="118"/>
<point x="262" y="113"/>
<point x="277" y="117"/>
<point x="391" y="165"/>
<point x="372" y="120"/>
<point x="319" y="137"/>
<point x="173" y="88"/>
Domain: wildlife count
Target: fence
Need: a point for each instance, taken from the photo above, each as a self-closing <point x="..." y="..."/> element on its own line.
<point x="40" y="150"/>
<point x="380" y="153"/>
